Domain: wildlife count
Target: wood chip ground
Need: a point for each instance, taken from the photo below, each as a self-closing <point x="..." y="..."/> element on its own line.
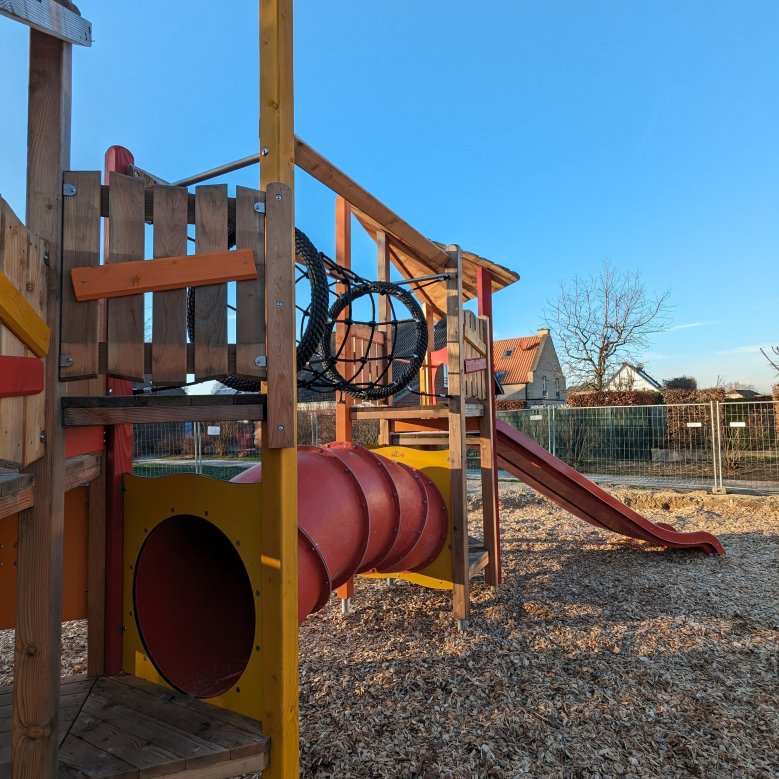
<point x="598" y="657"/>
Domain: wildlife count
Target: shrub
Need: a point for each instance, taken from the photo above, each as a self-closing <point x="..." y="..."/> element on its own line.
<point x="614" y="398"/>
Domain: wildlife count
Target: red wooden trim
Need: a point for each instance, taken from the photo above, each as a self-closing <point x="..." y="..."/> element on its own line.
<point x="83" y="440"/>
<point x="20" y="376"/>
<point x="476" y="364"/>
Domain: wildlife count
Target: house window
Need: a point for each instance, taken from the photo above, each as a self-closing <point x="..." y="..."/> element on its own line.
<point x="508" y="353"/>
<point x="543" y="387"/>
<point x="557" y="387"/>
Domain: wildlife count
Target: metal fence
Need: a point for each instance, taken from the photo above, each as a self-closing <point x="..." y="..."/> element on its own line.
<point x="715" y="446"/>
<point x="726" y="446"/>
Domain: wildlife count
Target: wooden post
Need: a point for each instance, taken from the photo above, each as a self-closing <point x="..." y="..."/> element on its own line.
<point x="343" y="256"/>
<point x="457" y="428"/>
<point x="279" y="453"/>
<point x="39" y="560"/>
<point x="489" y="456"/>
<point x="384" y="266"/>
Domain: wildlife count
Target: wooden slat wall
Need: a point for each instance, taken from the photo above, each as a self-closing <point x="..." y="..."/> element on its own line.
<point x="475" y="331"/>
<point x="250" y="295"/>
<point x="80" y="247"/>
<point x="169" y="309"/>
<point x="126" y="242"/>
<point x="21" y="260"/>
<point x="211" y="302"/>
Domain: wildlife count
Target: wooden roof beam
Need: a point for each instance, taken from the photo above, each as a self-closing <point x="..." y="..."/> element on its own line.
<point x="323" y="170"/>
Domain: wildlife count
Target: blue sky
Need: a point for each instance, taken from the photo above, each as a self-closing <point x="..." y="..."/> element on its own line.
<point x="546" y="136"/>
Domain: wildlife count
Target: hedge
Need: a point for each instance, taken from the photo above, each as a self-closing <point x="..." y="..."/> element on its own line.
<point x="615" y="398"/>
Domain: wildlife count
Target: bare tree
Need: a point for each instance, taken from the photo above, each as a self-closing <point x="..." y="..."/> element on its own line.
<point x="602" y="320"/>
<point x="773" y="357"/>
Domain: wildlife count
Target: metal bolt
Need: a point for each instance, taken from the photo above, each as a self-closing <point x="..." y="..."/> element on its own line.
<point x="261" y="361"/>
<point x="259" y="207"/>
<point x="42" y="436"/>
<point x="280" y="428"/>
<point x="278" y="197"/>
<point x="279" y="304"/>
<point x="265" y="151"/>
<point x="69" y="190"/>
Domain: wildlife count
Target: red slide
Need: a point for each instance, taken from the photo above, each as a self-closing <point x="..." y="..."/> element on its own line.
<point x="545" y="473"/>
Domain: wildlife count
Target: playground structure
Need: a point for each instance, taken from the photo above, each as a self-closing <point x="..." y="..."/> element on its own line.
<point x="194" y="589"/>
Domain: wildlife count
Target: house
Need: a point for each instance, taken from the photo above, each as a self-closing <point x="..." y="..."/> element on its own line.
<point x="528" y="369"/>
<point x="632" y="377"/>
<point x="745" y="394"/>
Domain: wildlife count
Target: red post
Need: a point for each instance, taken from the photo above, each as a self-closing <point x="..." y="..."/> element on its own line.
<point x="494" y="572"/>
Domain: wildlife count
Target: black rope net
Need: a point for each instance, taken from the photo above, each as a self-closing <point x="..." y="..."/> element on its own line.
<point x="346" y="345"/>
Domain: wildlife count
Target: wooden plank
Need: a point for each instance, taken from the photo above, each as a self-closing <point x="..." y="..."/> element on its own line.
<point x="194" y="750"/>
<point x="51" y="17"/>
<point x="412" y="412"/>
<point x="35" y="405"/>
<point x="168" y="273"/>
<point x="93" y="763"/>
<point x="141" y="753"/>
<point x="40" y="548"/>
<point x="457" y="428"/>
<point x="323" y="170"/>
<point x="280" y="295"/>
<point x="126" y="243"/>
<point x="82" y="470"/>
<point x="80" y="248"/>
<point x="188" y="714"/>
<point x="20" y="376"/>
<point x="343" y="256"/>
<point x="250" y="295"/>
<point x="16" y="492"/>
<point x="210" y="324"/>
<point x="279" y="629"/>
<point x="140" y="409"/>
<point x="22" y="319"/>
<point x="169" y="309"/>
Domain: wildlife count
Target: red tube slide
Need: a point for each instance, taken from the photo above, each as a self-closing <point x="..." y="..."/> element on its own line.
<point x="359" y="513"/>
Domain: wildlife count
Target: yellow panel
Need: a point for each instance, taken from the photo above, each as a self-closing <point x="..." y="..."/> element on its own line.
<point x="435" y="465"/>
<point x="234" y="509"/>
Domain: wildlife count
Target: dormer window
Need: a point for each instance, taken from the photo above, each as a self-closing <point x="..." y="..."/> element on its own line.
<point x="508" y="353"/>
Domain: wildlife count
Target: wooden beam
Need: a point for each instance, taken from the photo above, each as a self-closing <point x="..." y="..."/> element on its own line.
<point x="82" y="470"/>
<point x="343" y="256"/>
<point x="22" y="319"/>
<point x="278" y="515"/>
<point x="135" y="278"/>
<point x="457" y="427"/>
<point x="140" y="409"/>
<point x="16" y="492"/>
<point x="413" y="412"/>
<point x="20" y="376"/>
<point x="476" y="364"/>
<point x="321" y="169"/>
<point x="51" y="17"/>
<point x="40" y="542"/>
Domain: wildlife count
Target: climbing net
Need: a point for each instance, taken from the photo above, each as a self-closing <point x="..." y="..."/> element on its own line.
<point x="369" y="342"/>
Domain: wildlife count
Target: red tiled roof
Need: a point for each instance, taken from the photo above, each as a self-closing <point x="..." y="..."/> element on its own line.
<point x="516" y="356"/>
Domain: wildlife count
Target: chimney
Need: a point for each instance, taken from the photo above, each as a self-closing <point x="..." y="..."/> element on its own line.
<point x="543" y="331"/>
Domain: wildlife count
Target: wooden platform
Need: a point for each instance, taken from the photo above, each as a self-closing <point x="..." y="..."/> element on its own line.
<point x="125" y="728"/>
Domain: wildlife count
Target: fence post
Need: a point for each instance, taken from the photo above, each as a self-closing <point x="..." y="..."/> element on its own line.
<point x="719" y="489"/>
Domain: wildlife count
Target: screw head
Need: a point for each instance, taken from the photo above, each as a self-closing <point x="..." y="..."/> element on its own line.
<point x="265" y="151"/>
<point x="278" y="197"/>
<point x="280" y="428"/>
<point x="279" y="304"/>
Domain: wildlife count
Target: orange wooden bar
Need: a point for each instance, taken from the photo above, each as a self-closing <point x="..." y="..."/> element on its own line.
<point x="133" y="278"/>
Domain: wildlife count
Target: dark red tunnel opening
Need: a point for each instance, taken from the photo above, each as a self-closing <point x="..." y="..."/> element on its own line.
<point x="194" y="606"/>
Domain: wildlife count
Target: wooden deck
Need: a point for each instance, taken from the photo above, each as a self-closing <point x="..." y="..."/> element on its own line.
<point x="125" y="728"/>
